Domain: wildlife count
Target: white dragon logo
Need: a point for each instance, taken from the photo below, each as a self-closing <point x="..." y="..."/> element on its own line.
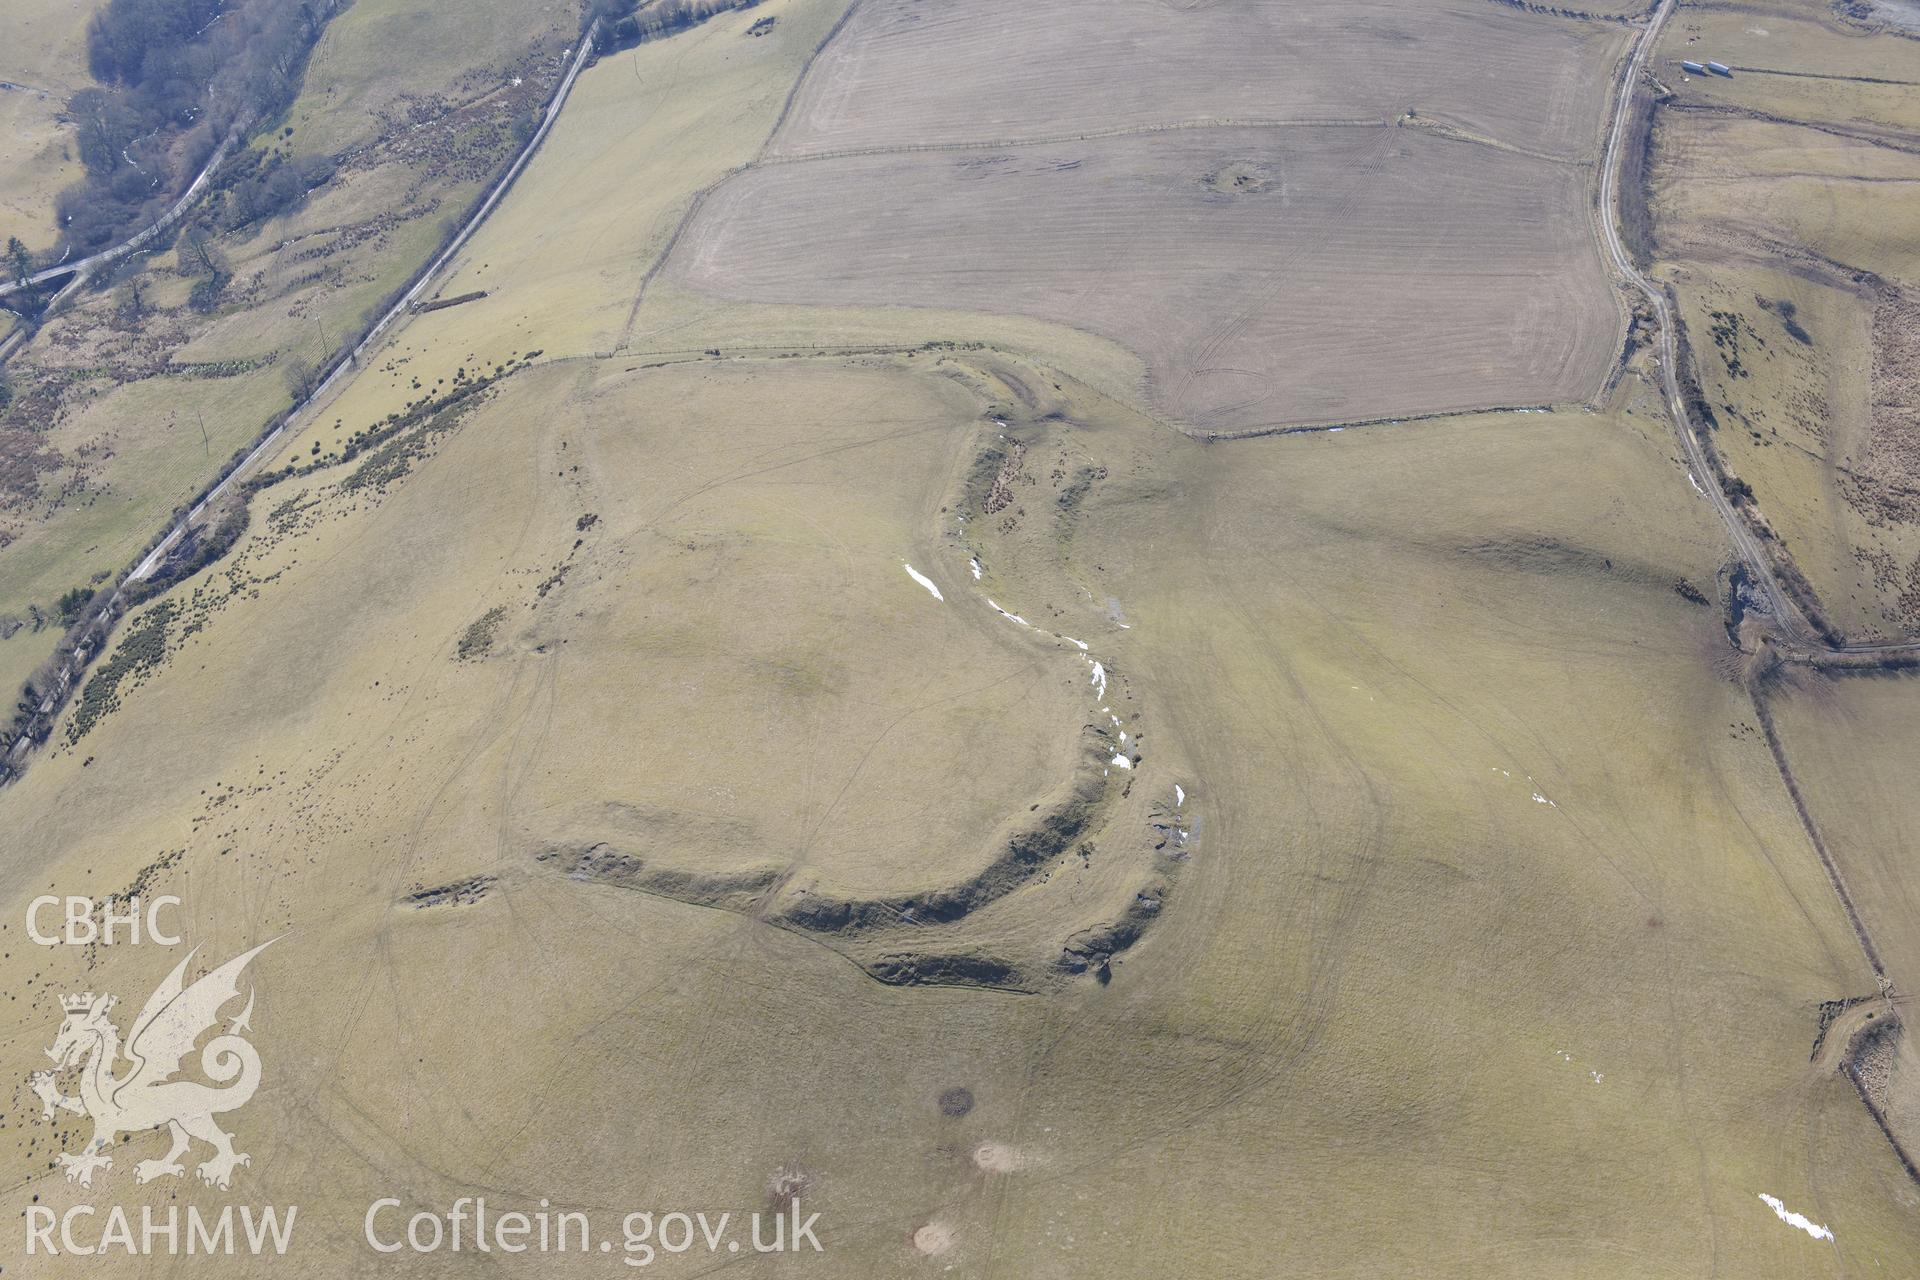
<point x="148" y="1096"/>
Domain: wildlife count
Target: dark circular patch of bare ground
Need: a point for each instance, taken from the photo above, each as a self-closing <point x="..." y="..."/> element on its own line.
<point x="1241" y="178"/>
<point x="956" y="1101"/>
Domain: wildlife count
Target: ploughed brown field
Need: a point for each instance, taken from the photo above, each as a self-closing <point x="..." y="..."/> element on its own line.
<point x="1266" y="277"/>
<point x="1290" y="214"/>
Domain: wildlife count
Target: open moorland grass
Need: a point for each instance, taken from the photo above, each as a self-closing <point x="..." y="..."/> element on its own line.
<point x="43" y="62"/>
<point x="1480" y="838"/>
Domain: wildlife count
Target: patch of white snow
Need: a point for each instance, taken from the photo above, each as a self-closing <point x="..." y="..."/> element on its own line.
<point x="924" y="581"/>
<point x="1011" y="617"/>
<point x="1799" y="1220"/>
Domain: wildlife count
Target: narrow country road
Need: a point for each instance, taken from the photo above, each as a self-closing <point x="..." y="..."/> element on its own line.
<point x="1787" y="616"/>
<point x="69" y="676"/>
<point x="351" y="360"/>
<point x="134" y="242"/>
<point x="1745" y="544"/>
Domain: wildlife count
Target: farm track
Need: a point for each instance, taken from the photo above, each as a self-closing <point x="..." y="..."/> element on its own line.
<point x="1456" y="133"/>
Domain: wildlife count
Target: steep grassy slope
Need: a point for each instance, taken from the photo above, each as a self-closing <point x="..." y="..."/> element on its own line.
<point x="130" y="402"/>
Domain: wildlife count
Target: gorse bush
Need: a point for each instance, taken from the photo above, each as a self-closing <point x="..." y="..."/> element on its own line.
<point x="70" y="604"/>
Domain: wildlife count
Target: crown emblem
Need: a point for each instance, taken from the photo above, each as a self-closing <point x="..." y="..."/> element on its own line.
<point x="151" y="1095"/>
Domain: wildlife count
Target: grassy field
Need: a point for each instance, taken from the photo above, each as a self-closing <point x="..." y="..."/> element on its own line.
<point x="1851" y="745"/>
<point x="646" y="130"/>
<point x="1796" y="61"/>
<point x="1480" y="834"/>
<point x="1787" y="198"/>
<point x="860" y="748"/>
<point x="640" y="144"/>
<point x="43" y="62"/>
<point x="1856" y="795"/>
